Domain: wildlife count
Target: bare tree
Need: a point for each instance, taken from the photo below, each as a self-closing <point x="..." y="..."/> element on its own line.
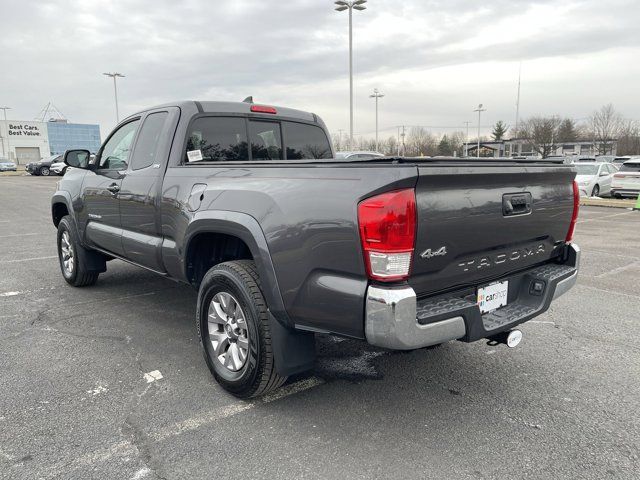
<point x="541" y="134"/>
<point x="605" y="125"/>
<point x="629" y="138"/>
<point x="420" y="142"/>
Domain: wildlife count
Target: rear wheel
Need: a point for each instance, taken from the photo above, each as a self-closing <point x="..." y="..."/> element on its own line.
<point x="596" y="191"/>
<point x="44" y="171"/>
<point x="233" y="326"/>
<point x="73" y="256"/>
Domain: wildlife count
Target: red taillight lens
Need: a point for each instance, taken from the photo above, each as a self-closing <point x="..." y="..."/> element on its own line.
<point x="387" y="232"/>
<point x="263" y="109"/>
<point x="576" y="208"/>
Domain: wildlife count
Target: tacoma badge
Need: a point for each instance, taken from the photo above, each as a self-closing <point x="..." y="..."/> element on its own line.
<point x="428" y="253"/>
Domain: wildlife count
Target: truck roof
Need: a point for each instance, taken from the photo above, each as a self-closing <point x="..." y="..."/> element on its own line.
<point x="207" y="106"/>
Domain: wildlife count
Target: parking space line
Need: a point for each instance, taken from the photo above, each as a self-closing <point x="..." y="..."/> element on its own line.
<point x="605" y="217"/>
<point x="124" y="447"/>
<point x="615" y="271"/>
<point x="28" y="259"/>
<point x="231" y="410"/>
<point x="19" y="235"/>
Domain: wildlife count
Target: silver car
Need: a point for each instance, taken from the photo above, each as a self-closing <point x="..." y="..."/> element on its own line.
<point x="362" y="155"/>
<point x="7" y="165"/>
<point x="594" y="179"/>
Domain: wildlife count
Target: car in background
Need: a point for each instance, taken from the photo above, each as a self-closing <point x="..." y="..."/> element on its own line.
<point x="358" y="155"/>
<point x="7" y="165"/>
<point x="584" y="159"/>
<point x="43" y="167"/>
<point x="605" y="158"/>
<point x="594" y="179"/>
<point x="626" y="182"/>
<point x="60" y="168"/>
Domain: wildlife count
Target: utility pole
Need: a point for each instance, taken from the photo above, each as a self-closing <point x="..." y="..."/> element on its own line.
<point x="6" y="125"/>
<point x="342" y="5"/>
<point x="466" y="145"/>
<point x="518" y="102"/>
<point x="479" y="110"/>
<point x="404" y="150"/>
<point x="115" y="91"/>
<point x="376" y="94"/>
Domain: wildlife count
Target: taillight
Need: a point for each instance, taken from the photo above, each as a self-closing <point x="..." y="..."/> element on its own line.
<point x="574" y="216"/>
<point x="618" y="175"/>
<point x="263" y="109"/>
<point x="387" y="232"/>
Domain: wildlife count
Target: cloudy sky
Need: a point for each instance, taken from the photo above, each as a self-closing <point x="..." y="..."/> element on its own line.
<point x="434" y="60"/>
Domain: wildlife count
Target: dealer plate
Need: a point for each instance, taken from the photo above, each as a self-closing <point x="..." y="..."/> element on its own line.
<point x="492" y="297"/>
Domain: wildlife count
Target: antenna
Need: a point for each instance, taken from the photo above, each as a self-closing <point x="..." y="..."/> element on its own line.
<point x="518" y="101"/>
<point x="249" y="99"/>
<point x="50" y="112"/>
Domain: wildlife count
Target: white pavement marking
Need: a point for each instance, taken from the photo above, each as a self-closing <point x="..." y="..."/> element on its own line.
<point x="613" y="292"/>
<point x="618" y="270"/>
<point x="231" y="410"/>
<point x="604" y="217"/>
<point x="153" y="376"/>
<point x="19" y="235"/>
<point x="544" y="322"/>
<point x="9" y="294"/>
<point x="143" y="472"/>
<point x="28" y="259"/>
<point x="125" y="448"/>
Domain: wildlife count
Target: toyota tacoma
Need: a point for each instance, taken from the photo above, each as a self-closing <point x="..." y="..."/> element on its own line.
<point x="247" y="204"/>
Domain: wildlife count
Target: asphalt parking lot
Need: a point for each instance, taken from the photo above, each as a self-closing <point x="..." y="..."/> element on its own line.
<point x="81" y="394"/>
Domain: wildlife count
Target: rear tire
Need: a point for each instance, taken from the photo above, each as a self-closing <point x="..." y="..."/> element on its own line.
<point x="233" y="327"/>
<point x="73" y="256"/>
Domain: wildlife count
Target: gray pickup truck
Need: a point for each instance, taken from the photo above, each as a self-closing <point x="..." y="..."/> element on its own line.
<point x="247" y="203"/>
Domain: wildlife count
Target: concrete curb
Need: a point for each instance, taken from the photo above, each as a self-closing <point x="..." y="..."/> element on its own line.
<point x="607" y="202"/>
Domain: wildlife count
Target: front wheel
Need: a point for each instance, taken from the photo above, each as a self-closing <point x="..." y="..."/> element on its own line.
<point x="233" y="327"/>
<point x="596" y="191"/>
<point x="44" y="171"/>
<point x="73" y="256"/>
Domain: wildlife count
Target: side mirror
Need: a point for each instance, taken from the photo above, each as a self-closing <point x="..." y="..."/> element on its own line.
<point x="77" y="158"/>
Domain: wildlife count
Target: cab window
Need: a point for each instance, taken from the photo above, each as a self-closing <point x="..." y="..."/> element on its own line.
<point x="115" y="154"/>
<point x="217" y="139"/>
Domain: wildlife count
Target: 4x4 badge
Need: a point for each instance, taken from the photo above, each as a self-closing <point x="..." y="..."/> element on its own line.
<point x="428" y="253"/>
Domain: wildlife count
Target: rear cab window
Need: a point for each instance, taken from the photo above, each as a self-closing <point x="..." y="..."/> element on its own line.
<point x="630" y="167"/>
<point x="230" y="139"/>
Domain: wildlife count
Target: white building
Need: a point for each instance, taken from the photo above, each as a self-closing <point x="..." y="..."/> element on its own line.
<point x="24" y="142"/>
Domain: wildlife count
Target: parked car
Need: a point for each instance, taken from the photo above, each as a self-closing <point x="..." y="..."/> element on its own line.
<point x="583" y="159"/>
<point x="43" y="167"/>
<point x="626" y="182"/>
<point x="361" y="155"/>
<point x="60" y="168"/>
<point x="594" y="179"/>
<point x="7" y="166"/>
<point x="246" y="203"/>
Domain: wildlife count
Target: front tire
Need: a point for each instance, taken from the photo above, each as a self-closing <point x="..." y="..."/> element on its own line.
<point x="596" y="191"/>
<point x="44" y="171"/>
<point x="233" y="327"/>
<point x="73" y="256"/>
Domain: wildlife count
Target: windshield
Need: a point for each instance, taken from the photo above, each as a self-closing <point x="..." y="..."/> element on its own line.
<point x="587" y="169"/>
<point x="630" y="167"/>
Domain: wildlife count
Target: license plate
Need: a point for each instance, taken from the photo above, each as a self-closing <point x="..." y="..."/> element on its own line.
<point x="492" y="296"/>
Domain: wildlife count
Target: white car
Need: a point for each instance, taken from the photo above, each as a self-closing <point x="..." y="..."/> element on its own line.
<point x="363" y="155"/>
<point x="626" y="182"/>
<point x="594" y="179"/>
<point x="59" y="168"/>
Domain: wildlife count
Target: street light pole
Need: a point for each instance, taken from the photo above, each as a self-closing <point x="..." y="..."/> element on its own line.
<point x="115" y="91"/>
<point x="343" y="5"/>
<point x="479" y="110"/>
<point x="6" y="152"/>
<point x="376" y="94"/>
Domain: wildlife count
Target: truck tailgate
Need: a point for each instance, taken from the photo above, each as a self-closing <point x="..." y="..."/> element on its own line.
<point x="477" y="223"/>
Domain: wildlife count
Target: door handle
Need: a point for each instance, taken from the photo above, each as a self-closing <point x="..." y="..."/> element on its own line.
<point x="113" y="188"/>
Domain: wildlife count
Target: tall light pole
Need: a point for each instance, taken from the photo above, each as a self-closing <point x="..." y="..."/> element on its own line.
<point x="115" y="90"/>
<point x="479" y="110"/>
<point x="6" y="125"/>
<point x="376" y="94"/>
<point x="466" y="145"/>
<point x="343" y="5"/>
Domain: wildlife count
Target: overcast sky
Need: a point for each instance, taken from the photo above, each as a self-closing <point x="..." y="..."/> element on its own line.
<point x="434" y="60"/>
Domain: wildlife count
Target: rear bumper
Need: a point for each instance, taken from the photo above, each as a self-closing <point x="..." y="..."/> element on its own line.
<point x="396" y="319"/>
<point x="625" y="192"/>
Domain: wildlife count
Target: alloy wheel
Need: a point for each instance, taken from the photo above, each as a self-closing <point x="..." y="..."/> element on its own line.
<point x="228" y="331"/>
<point x="67" y="253"/>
